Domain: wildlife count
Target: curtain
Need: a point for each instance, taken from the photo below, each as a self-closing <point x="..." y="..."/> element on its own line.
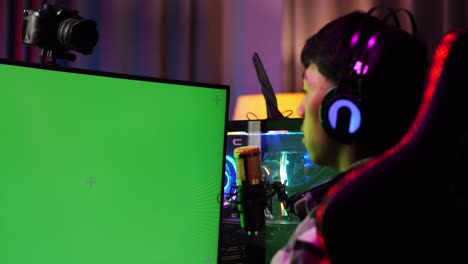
<point x="213" y="40"/>
<point x="302" y="18"/>
<point x="178" y="39"/>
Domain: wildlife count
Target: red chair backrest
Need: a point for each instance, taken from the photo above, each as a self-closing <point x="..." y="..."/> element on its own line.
<point x="409" y="204"/>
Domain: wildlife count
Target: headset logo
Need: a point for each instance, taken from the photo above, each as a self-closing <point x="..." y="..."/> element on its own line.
<point x="355" y="119"/>
<point x="360" y="68"/>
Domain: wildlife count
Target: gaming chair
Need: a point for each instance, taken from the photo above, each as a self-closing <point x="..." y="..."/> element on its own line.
<point x="409" y="205"/>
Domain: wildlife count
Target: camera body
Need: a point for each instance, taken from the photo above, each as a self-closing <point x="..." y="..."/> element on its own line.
<point x="58" y="30"/>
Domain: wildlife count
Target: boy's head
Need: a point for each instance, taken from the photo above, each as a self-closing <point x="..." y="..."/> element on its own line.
<point x="388" y="95"/>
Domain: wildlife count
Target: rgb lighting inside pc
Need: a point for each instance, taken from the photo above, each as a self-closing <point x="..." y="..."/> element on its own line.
<point x="283" y="158"/>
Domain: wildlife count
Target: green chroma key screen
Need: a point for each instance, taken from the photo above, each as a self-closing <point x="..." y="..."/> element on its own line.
<point x="104" y="168"/>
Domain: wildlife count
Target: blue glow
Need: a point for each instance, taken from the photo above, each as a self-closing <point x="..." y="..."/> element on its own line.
<point x="284" y="162"/>
<point x="355" y="121"/>
<point x="271" y="133"/>
<point x="285" y="132"/>
<point x="230" y="170"/>
<point x="307" y="161"/>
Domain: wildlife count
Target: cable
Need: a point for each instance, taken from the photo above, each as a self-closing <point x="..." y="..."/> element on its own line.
<point x="411" y="18"/>
<point x="390" y="13"/>
<point x="288" y="113"/>
<point x="250" y="113"/>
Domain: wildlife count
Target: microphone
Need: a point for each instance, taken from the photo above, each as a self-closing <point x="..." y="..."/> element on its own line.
<point x="251" y="191"/>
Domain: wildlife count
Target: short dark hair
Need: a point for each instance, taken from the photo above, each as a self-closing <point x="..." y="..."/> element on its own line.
<point x="391" y="93"/>
<point x="329" y="47"/>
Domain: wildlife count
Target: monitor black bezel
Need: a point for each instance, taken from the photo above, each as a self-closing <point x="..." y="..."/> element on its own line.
<point x="115" y="74"/>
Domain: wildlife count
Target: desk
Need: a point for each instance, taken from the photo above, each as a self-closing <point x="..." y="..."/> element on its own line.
<point x="237" y="247"/>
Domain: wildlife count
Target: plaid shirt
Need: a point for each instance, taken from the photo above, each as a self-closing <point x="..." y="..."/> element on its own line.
<point x="304" y="246"/>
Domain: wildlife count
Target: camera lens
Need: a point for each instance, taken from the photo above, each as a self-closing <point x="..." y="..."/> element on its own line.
<point x="77" y="34"/>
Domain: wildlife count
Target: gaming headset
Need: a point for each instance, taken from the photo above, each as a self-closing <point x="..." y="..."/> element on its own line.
<point x="341" y="114"/>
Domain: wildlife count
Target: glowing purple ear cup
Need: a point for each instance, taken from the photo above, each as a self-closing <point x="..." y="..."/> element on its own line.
<point x="355" y="120"/>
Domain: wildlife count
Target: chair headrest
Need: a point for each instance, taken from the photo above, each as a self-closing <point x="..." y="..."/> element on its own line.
<point x="398" y="181"/>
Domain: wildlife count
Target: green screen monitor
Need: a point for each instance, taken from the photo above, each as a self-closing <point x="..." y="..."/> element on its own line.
<point x="108" y="168"/>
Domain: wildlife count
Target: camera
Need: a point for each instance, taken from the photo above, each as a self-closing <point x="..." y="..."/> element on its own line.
<point x="58" y="30"/>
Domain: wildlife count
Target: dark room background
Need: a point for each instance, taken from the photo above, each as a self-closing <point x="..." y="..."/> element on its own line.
<point x="214" y="40"/>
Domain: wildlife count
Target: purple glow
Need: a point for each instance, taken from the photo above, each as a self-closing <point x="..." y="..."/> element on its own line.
<point x="354" y="39"/>
<point x="358" y="67"/>
<point x="365" y="70"/>
<point x="355" y="121"/>
<point x="371" y="41"/>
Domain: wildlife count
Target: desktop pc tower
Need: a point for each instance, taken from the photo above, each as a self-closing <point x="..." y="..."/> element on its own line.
<point x="283" y="159"/>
